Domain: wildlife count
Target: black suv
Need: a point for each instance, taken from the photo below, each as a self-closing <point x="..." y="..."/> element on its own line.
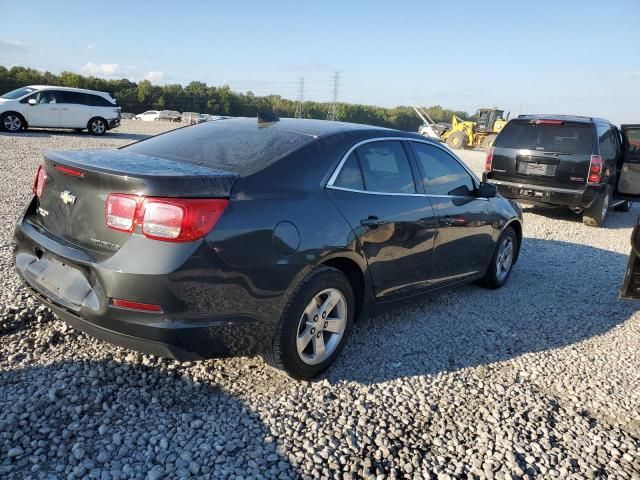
<point x="565" y="160"/>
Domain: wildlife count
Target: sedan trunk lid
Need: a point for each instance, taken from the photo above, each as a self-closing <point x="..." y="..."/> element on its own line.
<point x="72" y="204"/>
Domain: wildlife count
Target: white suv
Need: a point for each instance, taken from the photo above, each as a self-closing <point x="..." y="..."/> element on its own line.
<point x="58" y="107"/>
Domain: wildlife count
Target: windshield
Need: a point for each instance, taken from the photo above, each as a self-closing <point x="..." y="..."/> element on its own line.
<point x="565" y="138"/>
<point x="20" y="92"/>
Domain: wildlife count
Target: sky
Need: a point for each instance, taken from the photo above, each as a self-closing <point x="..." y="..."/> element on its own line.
<point x="561" y="56"/>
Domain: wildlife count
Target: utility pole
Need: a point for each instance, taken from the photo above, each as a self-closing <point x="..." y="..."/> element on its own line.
<point x="300" y="104"/>
<point x="332" y="114"/>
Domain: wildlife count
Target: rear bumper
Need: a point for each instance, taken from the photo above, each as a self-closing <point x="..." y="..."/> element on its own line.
<point x="180" y="343"/>
<point x="113" y="123"/>
<point x="545" y="195"/>
<point x="204" y="314"/>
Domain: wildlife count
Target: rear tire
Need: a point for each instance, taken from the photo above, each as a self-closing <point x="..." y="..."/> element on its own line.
<point x="457" y="140"/>
<point x="502" y="260"/>
<point x="12" y="122"/>
<point x="97" y="126"/>
<point x="595" y="215"/>
<point x="306" y="343"/>
<point x="624" y="206"/>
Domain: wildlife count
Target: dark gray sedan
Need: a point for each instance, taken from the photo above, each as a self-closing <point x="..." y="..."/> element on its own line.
<point x="242" y="238"/>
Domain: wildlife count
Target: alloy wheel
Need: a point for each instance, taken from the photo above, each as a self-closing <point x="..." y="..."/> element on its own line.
<point x="321" y="326"/>
<point x="12" y="123"/>
<point x="97" y="127"/>
<point x="504" y="259"/>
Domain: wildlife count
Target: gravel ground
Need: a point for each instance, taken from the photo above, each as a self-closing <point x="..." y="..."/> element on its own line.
<point x="537" y="380"/>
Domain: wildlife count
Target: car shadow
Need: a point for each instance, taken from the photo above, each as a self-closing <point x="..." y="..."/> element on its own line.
<point x="70" y="133"/>
<point x="542" y="307"/>
<point x="130" y="419"/>
<point x="614" y="219"/>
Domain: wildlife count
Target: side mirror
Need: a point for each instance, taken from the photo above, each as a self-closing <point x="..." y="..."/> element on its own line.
<point x="32" y="102"/>
<point x="487" y="190"/>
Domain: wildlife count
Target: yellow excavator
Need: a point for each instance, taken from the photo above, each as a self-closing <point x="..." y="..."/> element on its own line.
<point x="465" y="133"/>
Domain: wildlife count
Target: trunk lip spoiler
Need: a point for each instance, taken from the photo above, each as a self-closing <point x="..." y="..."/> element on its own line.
<point x="119" y="162"/>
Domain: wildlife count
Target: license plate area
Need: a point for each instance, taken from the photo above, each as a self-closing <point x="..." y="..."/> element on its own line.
<point x="61" y="283"/>
<point x="532" y="166"/>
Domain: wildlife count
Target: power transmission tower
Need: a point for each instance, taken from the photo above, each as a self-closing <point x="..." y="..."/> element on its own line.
<point x="300" y="104"/>
<point x="332" y="114"/>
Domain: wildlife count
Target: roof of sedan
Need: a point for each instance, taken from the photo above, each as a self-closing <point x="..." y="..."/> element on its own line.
<point x="243" y="145"/>
<point x="315" y="128"/>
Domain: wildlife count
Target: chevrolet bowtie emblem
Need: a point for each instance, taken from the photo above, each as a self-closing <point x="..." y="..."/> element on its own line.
<point x="67" y="197"/>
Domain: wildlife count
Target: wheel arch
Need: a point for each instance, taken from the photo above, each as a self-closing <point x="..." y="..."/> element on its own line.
<point x="354" y="274"/>
<point x="25" y="124"/>
<point x="517" y="227"/>
<point x="96" y="117"/>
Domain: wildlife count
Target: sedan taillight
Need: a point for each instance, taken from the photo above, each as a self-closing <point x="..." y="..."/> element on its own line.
<point x="166" y="219"/>
<point x="39" y="181"/>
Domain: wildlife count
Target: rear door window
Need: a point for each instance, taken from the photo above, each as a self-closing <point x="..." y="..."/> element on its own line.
<point x="73" y="97"/>
<point x="563" y="138"/>
<point x="442" y="174"/>
<point x="385" y="167"/>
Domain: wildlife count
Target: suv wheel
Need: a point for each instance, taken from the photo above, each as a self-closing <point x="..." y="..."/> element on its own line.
<point x="595" y="215"/>
<point x="624" y="206"/>
<point x="502" y="261"/>
<point x="12" y="122"/>
<point x="97" y="126"/>
<point x="315" y="325"/>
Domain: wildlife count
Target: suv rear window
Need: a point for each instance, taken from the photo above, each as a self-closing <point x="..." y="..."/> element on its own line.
<point x="98" y="101"/>
<point x="565" y="138"/>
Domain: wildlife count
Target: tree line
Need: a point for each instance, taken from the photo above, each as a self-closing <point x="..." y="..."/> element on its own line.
<point x="202" y="98"/>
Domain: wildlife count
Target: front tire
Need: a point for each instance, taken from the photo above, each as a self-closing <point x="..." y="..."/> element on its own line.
<point x="457" y="140"/>
<point x="502" y="261"/>
<point x="314" y="326"/>
<point x="12" y="122"/>
<point x="97" y="126"/>
<point x="595" y="215"/>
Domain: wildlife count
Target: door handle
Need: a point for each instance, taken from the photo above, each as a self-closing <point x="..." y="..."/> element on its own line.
<point x="52" y="108"/>
<point x="64" y="109"/>
<point x="371" y="221"/>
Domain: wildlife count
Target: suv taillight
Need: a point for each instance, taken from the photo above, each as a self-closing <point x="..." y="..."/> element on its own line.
<point x="488" y="161"/>
<point x="595" y="169"/>
<point x="167" y="219"/>
<point x="39" y="181"/>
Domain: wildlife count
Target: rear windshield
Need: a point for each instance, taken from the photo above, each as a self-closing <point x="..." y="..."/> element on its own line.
<point x="567" y="138"/>
<point x="239" y="145"/>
